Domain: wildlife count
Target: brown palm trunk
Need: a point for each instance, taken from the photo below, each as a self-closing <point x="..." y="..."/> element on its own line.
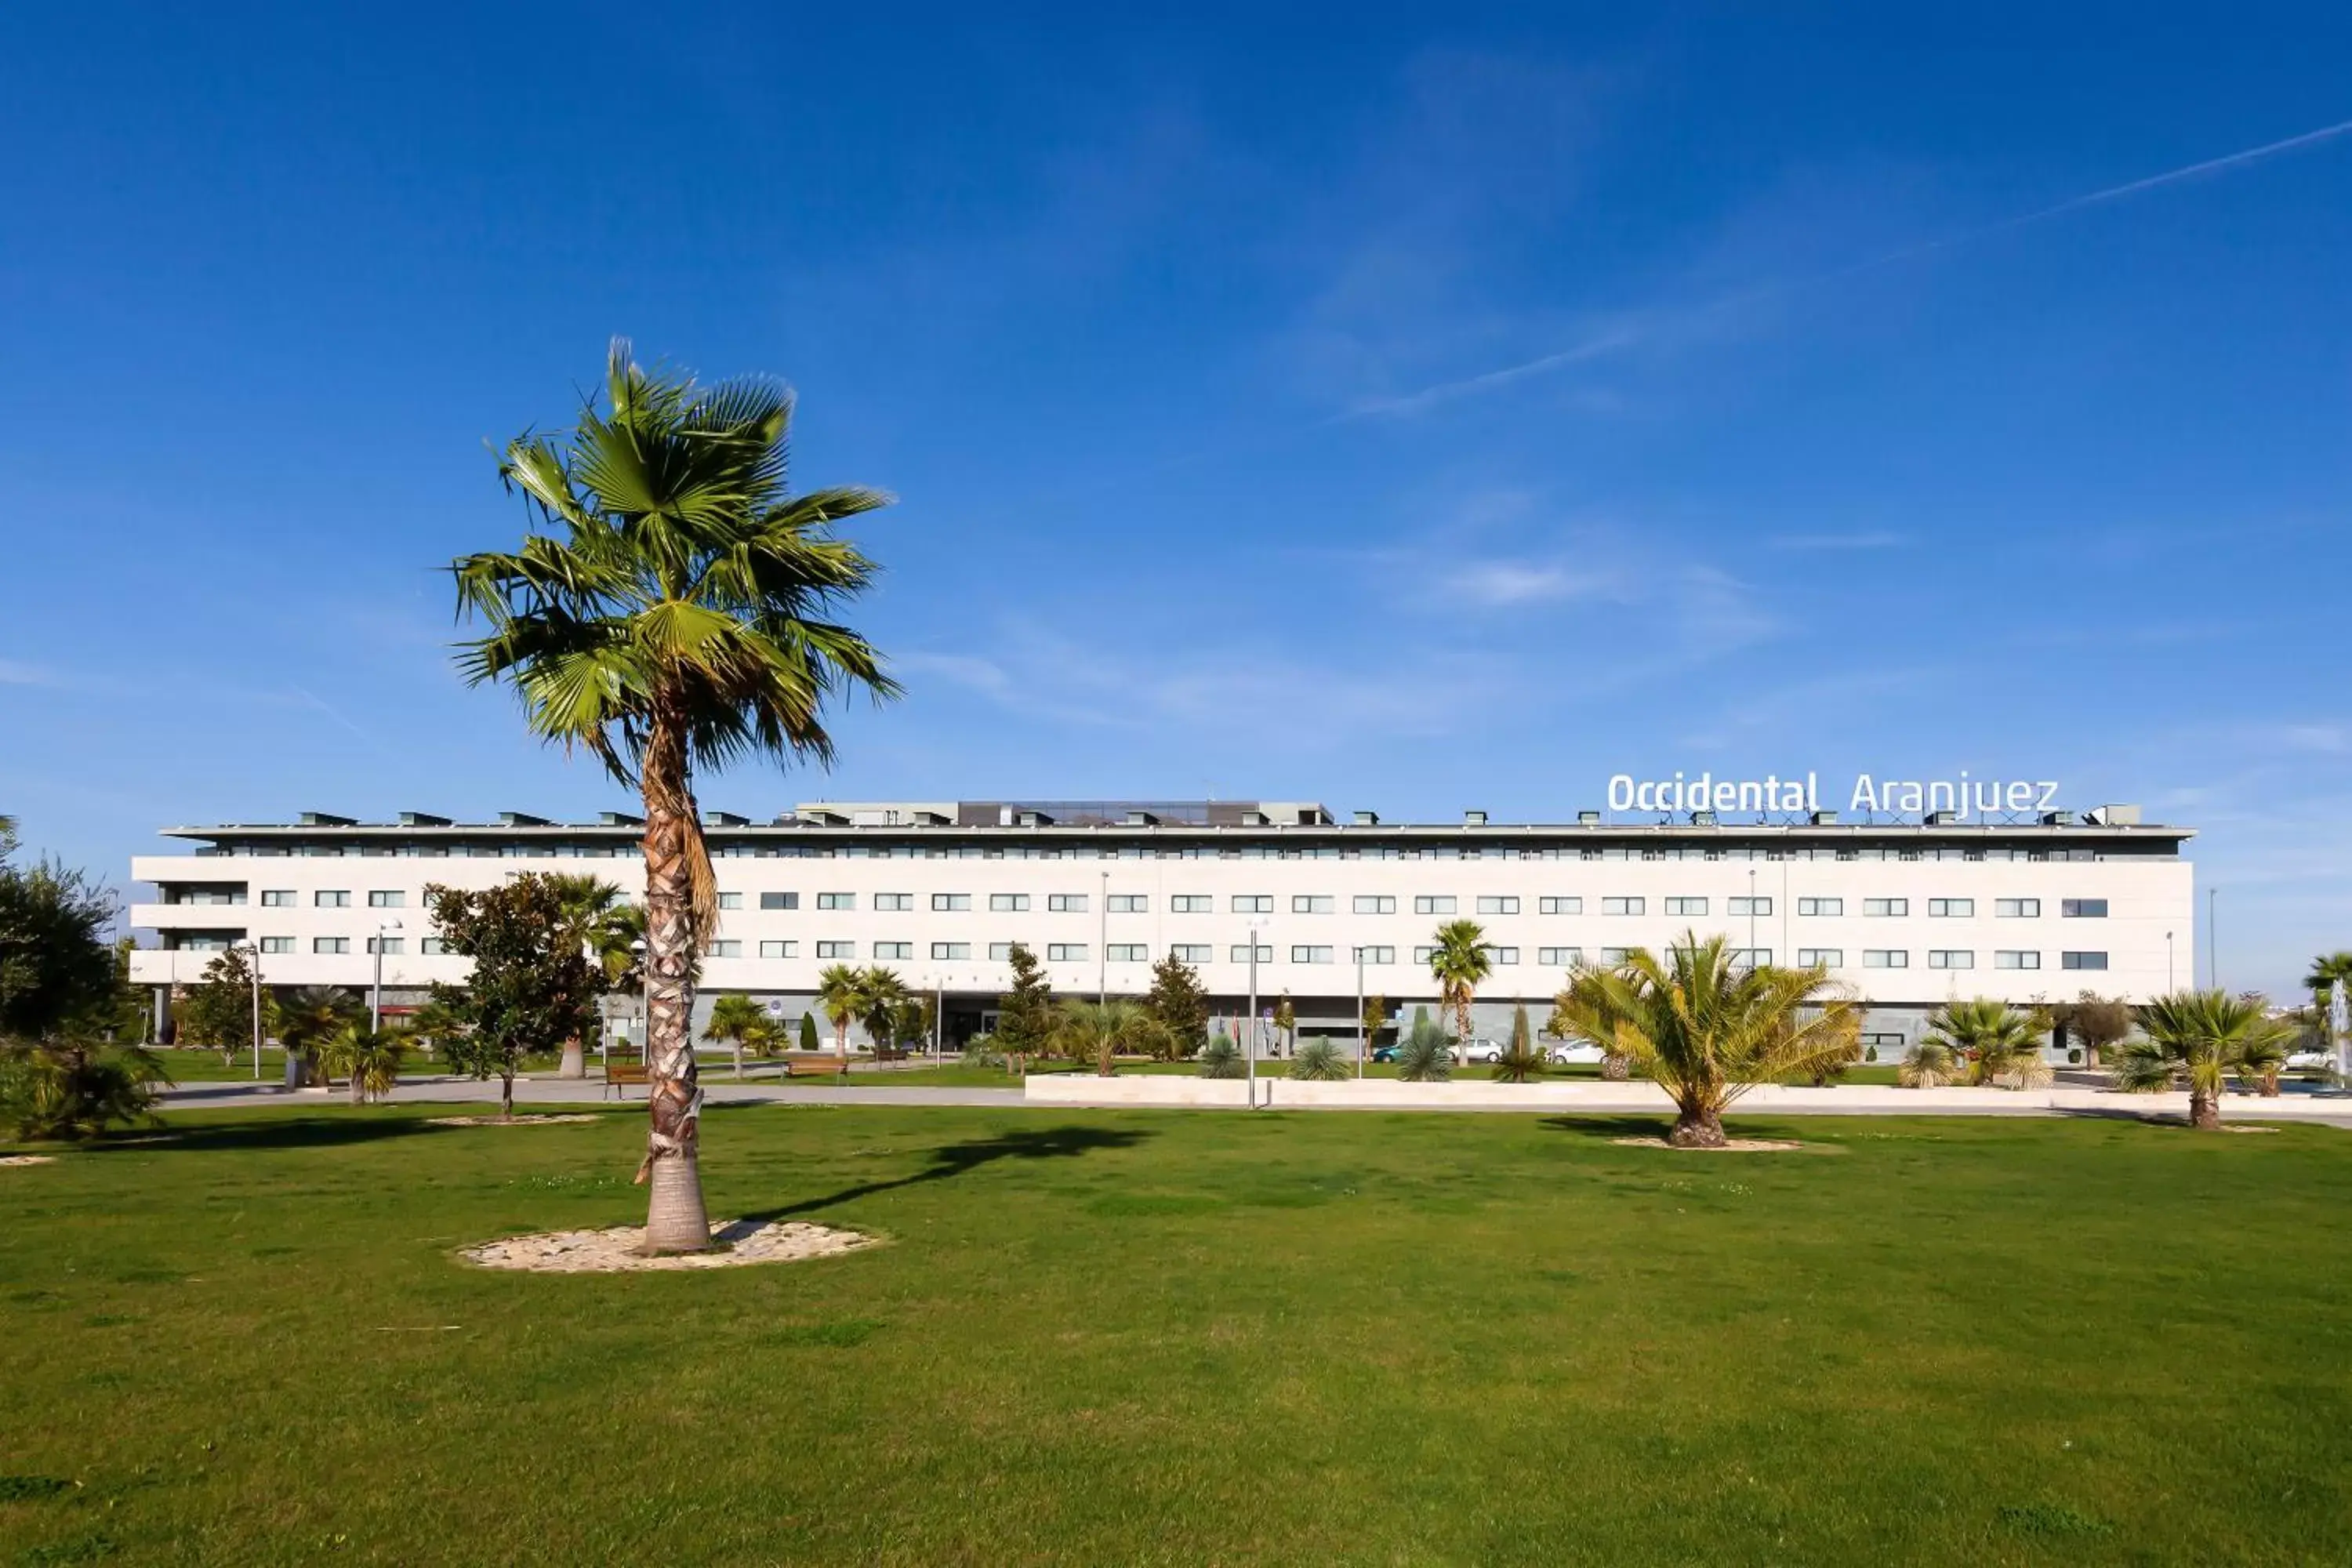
<point x="675" y="1220"/>
<point x="2204" y="1109"/>
<point x="506" y="1096"/>
<point x="359" y="1091"/>
<point x="1697" y="1127"/>
<point x="1615" y="1068"/>
<point x="575" y="1058"/>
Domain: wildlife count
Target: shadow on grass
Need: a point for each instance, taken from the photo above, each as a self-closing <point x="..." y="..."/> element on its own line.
<point x="956" y="1159"/>
<point x="1606" y="1128"/>
<point x="277" y="1131"/>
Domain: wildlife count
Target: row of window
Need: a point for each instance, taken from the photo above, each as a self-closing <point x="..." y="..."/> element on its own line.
<point x="2152" y="849"/>
<point x="1423" y="904"/>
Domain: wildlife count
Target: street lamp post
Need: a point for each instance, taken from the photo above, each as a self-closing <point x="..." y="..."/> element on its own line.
<point x="2168" y="960"/>
<point x="1360" y="1041"/>
<point x="375" y="996"/>
<point x="1102" y="946"/>
<point x="252" y="951"/>
<point x="2213" y="938"/>
<point x="1249" y="1046"/>
<point x="1751" y="917"/>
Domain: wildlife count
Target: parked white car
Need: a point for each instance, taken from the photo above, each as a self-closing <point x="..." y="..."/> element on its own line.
<point x="1561" y="1053"/>
<point x="1478" y="1049"/>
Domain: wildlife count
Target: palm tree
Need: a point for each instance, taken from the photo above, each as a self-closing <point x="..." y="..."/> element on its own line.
<point x="2262" y="1059"/>
<point x="1102" y="1030"/>
<point x="841" y="996"/>
<point x="309" y="1019"/>
<point x="2328" y="970"/>
<point x="1522" y="1063"/>
<point x="1930" y="1064"/>
<point x="880" y="991"/>
<point x="1421" y="1056"/>
<point x="593" y="916"/>
<point x="2200" y="1036"/>
<point x="1708" y="1029"/>
<point x="2001" y="1044"/>
<point x="1458" y="962"/>
<point x="670" y="613"/>
<point x="739" y="1020"/>
<point x="371" y="1058"/>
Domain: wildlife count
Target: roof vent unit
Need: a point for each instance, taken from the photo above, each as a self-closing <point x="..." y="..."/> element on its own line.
<point x="1367" y="819"/>
<point x="1824" y="819"/>
<point x="1034" y="819"/>
<point x="1588" y="819"/>
<point x="522" y="819"/>
<point x="1702" y="819"/>
<point x="1141" y="819"/>
<point x="822" y="817"/>
<point x="1942" y="818"/>
<point x="618" y="819"/>
<point x="1473" y="820"/>
<point x="2112" y="816"/>
<point x="932" y="819"/>
<point x="1256" y="819"/>
<point x="422" y="819"/>
<point x="326" y="819"/>
<point x="724" y="819"/>
<point x="2057" y="820"/>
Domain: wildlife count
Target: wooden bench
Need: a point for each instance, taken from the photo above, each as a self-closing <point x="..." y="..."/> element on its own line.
<point x="815" y="1067"/>
<point x="623" y="1069"/>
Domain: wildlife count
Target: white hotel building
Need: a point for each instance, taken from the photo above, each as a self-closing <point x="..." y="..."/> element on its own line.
<point x="1907" y="914"/>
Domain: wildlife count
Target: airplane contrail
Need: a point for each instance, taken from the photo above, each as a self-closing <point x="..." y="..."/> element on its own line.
<point x="1623" y="337"/>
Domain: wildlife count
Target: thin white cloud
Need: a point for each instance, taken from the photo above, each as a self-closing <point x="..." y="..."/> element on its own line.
<point x="1875" y="541"/>
<point x="1501" y="582"/>
<point x="1429" y="398"/>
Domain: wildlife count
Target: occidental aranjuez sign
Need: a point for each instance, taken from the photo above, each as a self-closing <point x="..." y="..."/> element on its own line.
<point x="1962" y="797"/>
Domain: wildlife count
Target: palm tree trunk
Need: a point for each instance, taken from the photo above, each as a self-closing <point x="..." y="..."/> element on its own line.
<point x="2204" y="1109"/>
<point x="359" y="1086"/>
<point x="575" y="1058"/>
<point x="675" y="1220"/>
<point x="1615" y="1068"/>
<point x="506" y="1095"/>
<point x="1698" y="1126"/>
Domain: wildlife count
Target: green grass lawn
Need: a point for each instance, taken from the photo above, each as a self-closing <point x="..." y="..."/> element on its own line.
<point x="1173" y="1338"/>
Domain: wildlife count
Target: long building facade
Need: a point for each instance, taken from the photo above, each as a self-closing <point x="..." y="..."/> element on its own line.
<point x="1908" y="915"/>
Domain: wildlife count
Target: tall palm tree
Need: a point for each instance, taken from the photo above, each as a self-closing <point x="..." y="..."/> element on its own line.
<point x="2001" y="1044"/>
<point x="1708" y="1029"/>
<point x="738" y="1020"/>
<point x="1459" y="961"/>
<point x="2200" y="1036"/>
<point x="669" y="614"/>
<point x="879" y="993"/>
<point x="841" y="997"/>
<point x="592" y="918"/>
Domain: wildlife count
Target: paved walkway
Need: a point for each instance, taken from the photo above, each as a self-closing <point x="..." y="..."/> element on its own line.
<point x="441" y="1090"/>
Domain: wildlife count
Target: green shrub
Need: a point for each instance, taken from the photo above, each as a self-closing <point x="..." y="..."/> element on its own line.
<point x="1222" y="1058"/>
<point x="1424" y="1057"/>
<point x="72" y="1092"/>
<point x="1320" y="1061"/>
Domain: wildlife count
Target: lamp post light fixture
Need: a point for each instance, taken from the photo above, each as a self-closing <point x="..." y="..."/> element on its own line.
<point x="1249" y="1047"/>
<point x="252" y="951"/>
<point x="1362" y="1043"/>
<point x="376" y="996"/>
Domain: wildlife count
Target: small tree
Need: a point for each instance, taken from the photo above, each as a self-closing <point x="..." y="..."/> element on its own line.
<point x="1024" y="1023"/>
<point x="808" y="1033"/>
<point x="1101" y="1030"/>
<point x="371" y="1059"/>
<point x="1286" y="1025"/>
<point x="1930" y="1064"/>
<point x="1221" y="1058"/>
<point x="1179" y="1005"/>
<point x="1424" y="1057"/>
<point x="532" y="987"/>
<point x="880" y="995"/>
<point x="58" y="997"/>
<point x="1459" y="961"/>
<point x="1320" y="1061"/>
<point x="1522" y="1063"/>
<point x="217" y="1012"/>
<point x="2201" y="1036"/>
<point x="2093" y="1022"/>
<point x="841" y="993"/>
<point x="2001" y="1044"/>
<point x="738" y="1021"/>
<point x="310" y="1018"/>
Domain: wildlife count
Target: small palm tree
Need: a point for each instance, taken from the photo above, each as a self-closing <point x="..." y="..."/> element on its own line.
<point x="738" y="1020"/>
<point x="1522" y="1063"/>
<point x="672" y="612"/>
<point x="2199" y="1036"/>
<point x="309" y="1019"/>
<point x="2263" y="1059"/>
<point x="593" y="918"/>
<point x="1458" y="962"/>
<point x="1221" y="1058"/>
<point x="841" y="996"/>
<point x="369" y="1058"/>
<point x="1708" y="1029"/>
<point x="1930" y="1064"/>
<point x="2000" y="1045"/>
<point x="2328" y="970"/>
<point x="1320" y="1061"/>
<point x="1422" y="1056"/>
<point x="880" y="992"/>
<point x="1101" y="1030"/>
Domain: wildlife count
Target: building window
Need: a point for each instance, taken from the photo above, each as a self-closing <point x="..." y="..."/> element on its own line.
<point x="836" y="900"/>
<point x="278" y="898"/>
<point x="430" y="947"/>
<point x="1067" y="903"/>
<point x="343" y="944"/>
<point x="2011" y="959"/>
<point x="1560" y="957"/>
<point x="1885" y="906"/>
<point x="1560" y="906"/>
<point x="390" y="946"/>
<point x="1951" y="909"/>
<point x="1686" y="906"/>
<point x="1623" y="906"/>
<point x="1375" y="903"/>
<point x="387" y="899"/>
<point x="1612" y="956"/>
<point x="1950" y="958"/>
<point x="1128" y="903"/>
<point x="894" y="950"/>
<point x="836" y="950"/>
<point x="1310" y="903"/>
<point x="1821" y="958"/>
<point x="1820" y="906"/>
<point x="1253" y="903"/>
<point x="1000" y="951"/>
<point x="1750" y="907"/>
<point x="1432" y="903"/>
<point x="1191" y="953"/>
<point x="1503" y="954"/>
<point x="1375" y="956"/>
<point x="2082" y="909"/>
<point x="1311" y="955"/>
<point x="2017" y="909"/>
<point x="1748" y="957"/>
<point x="894" y="903"/>
<point x="780" y="900"/>
<point x="1240" y="954"/>
<point x="1424" y="954"/>
<point x="726" y="948"/>
<point x="1498" y="904"/>
<point x="1065" y="952"/>
<point x="948" y="903"/>
<point x="1887" y="1041"/>
<point x="950" y="951"/>
<point x="1191" y="904"/>
<point x="780" y="950"/>
<point x="276" y="944"/>
<point x="1885" y="958"/>
<point x="1008" y="903"/>
<point x="332" y="900"/>
<point x="726" y="901"/>
<point x="2083" y="961"/>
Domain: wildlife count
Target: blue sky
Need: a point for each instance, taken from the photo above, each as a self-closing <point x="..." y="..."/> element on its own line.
<point x="1403" y="408"/>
